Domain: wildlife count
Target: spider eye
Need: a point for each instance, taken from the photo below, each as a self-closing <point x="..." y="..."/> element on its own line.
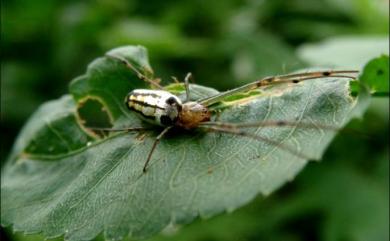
<point x="171" y="100"/>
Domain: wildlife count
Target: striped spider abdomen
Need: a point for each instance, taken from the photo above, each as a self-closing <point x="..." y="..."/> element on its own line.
<point x="157" y="107"/>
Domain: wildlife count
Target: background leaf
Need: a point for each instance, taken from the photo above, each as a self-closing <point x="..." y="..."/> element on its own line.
<point x="344" y="51"/>
<point x="376" y="75"/>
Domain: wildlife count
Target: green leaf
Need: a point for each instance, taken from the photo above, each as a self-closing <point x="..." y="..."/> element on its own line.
<point x="100" y="187"/>
<point x="162" y="39"/>
<point x="376" y="75"/>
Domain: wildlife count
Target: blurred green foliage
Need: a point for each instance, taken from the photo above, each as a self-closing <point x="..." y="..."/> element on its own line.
<point x="224" y="44"/>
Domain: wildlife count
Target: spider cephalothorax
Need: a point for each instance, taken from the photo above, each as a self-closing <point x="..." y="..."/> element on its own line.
<point x="192" y="114"/>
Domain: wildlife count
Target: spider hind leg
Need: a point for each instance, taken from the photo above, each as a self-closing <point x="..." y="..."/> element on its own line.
<point x="153" y="82"/>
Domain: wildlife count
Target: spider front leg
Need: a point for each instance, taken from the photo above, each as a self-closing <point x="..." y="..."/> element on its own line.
<point x="158" y="138"/>
<point x="281" y="79"/>
<point x="187" y="85"/>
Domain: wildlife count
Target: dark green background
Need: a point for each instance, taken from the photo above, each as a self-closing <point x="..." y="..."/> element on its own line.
<point x="45" y="43"/>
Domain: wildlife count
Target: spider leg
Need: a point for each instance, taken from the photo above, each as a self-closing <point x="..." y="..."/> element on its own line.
<point x="174" y="78"/>
<point x="258" y="138"/>
<point x="329" y="73"/>
<point x="117" y="129"/>
<point x="187" y="85"/>
<point x="281" y="79"/>
<point x="135" y="70"/>
<point x="270" y="123"/>
<point x="158" y="138"/>
<point x="102" y="129"/>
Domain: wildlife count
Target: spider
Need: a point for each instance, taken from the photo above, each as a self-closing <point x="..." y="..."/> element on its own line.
<point x="161" y="108"/>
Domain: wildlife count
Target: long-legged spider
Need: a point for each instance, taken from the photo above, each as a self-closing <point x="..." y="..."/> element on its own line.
<point x="161" y="108"/>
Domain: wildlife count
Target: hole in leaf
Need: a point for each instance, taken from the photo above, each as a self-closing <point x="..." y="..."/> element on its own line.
<point x="93" y="114"/>
<point x="379" y="72"/>
<point x="354" y="88"/>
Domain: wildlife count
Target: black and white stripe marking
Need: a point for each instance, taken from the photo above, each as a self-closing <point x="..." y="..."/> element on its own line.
<point x="154" y="106"/>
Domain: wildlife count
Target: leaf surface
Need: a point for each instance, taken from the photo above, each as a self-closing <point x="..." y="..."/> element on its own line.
<point x="52" y="131"/>
<point x="101" y="188"/>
